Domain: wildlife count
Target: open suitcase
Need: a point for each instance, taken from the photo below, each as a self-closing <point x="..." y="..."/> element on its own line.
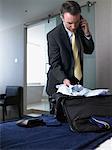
<point x="79" y="109"/>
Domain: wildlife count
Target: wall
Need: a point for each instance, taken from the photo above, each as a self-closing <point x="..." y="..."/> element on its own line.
<point x="111" y="47"/>
<point x="12" y="57"/>
<point x="103" y="43"/>
<point x="11" y="61"/>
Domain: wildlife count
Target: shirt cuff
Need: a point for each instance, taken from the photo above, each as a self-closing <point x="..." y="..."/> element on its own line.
<point x="88" y="36"/>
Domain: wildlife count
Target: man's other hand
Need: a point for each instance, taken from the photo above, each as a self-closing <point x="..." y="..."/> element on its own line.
<point x="66" y="82"/>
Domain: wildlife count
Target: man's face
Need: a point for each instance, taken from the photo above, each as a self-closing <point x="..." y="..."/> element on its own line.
<point x="71" y="21"/>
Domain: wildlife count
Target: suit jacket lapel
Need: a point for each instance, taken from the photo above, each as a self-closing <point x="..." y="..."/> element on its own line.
<point x="65" y="39"/>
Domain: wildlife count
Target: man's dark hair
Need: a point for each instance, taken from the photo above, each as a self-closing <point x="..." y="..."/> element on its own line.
<point x="71" y="7"/>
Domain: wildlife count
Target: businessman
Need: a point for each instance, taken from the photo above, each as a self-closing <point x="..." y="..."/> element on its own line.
<point x="66" y="44"/>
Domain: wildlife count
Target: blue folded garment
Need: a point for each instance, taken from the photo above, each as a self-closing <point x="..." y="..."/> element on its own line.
<point x="102" y="122"/>
<point x="51" y="120"/>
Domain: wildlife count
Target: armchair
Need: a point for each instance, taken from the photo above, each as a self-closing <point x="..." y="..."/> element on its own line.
<point x="12" y="96"/>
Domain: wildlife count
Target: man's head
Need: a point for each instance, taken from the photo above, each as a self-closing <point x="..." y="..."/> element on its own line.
<point x="70" y="14"/>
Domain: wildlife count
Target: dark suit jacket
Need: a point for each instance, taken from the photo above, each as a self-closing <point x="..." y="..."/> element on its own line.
<point x="61" y="56"/>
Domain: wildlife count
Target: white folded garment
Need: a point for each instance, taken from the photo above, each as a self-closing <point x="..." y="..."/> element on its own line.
<point x="79" y="90"/>
<point x="97" y="92"/>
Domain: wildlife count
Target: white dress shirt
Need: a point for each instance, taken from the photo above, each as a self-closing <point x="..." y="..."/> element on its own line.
<point x="70" y="34"/>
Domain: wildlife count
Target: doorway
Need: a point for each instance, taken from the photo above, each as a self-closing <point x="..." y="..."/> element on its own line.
<point x="37" y="65"/>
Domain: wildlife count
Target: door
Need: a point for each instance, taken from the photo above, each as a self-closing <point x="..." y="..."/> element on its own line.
<point x="37" y="64"/>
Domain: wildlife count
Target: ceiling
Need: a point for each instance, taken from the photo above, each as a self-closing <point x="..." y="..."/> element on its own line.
<point x="14" y="12"/>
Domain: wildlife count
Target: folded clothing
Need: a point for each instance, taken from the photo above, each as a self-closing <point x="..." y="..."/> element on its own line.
<point x="48" y="120"/>
<point x="102" y="122"/>
<point x="79" y="90"/>
<point x="30" y="122"/>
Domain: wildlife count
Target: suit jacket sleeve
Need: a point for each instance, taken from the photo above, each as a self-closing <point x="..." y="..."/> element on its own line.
<point x="55" y="59"/>
<point x="88" y="44"/>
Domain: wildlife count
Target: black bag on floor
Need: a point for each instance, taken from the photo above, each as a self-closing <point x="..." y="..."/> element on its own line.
<point x="79" y="109"/>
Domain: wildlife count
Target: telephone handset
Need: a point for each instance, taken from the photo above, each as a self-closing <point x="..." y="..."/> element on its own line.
<point x="80" y="26"/>
<point x="80" y="20"/>
<point x="81" y="17"/>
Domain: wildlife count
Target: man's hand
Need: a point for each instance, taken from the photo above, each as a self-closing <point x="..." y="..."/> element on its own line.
<point x="85" y="27"/>
<point x="66" y="82"/>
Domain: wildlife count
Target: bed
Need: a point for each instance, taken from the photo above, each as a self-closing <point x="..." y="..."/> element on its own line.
<point x="52" y="136"/>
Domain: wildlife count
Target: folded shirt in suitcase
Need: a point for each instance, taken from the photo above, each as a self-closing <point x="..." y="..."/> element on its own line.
<point x="79" y="90"/>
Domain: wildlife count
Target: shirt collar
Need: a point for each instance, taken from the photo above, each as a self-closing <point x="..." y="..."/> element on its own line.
<point x="68" y="31"/>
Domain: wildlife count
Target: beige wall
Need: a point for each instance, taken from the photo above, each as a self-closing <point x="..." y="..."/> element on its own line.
<point x="103" y="24"/>
<point x="111" y="48"/>
<point x="103" y="42"/>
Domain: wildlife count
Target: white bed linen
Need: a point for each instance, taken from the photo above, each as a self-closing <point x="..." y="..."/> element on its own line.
<point x="107" y="145"/>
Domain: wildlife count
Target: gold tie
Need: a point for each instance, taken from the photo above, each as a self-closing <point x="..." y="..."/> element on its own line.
<point x="77" y="68"/>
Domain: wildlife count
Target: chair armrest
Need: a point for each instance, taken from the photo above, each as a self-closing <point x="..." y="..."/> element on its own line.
<point x="2" y="96"/>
